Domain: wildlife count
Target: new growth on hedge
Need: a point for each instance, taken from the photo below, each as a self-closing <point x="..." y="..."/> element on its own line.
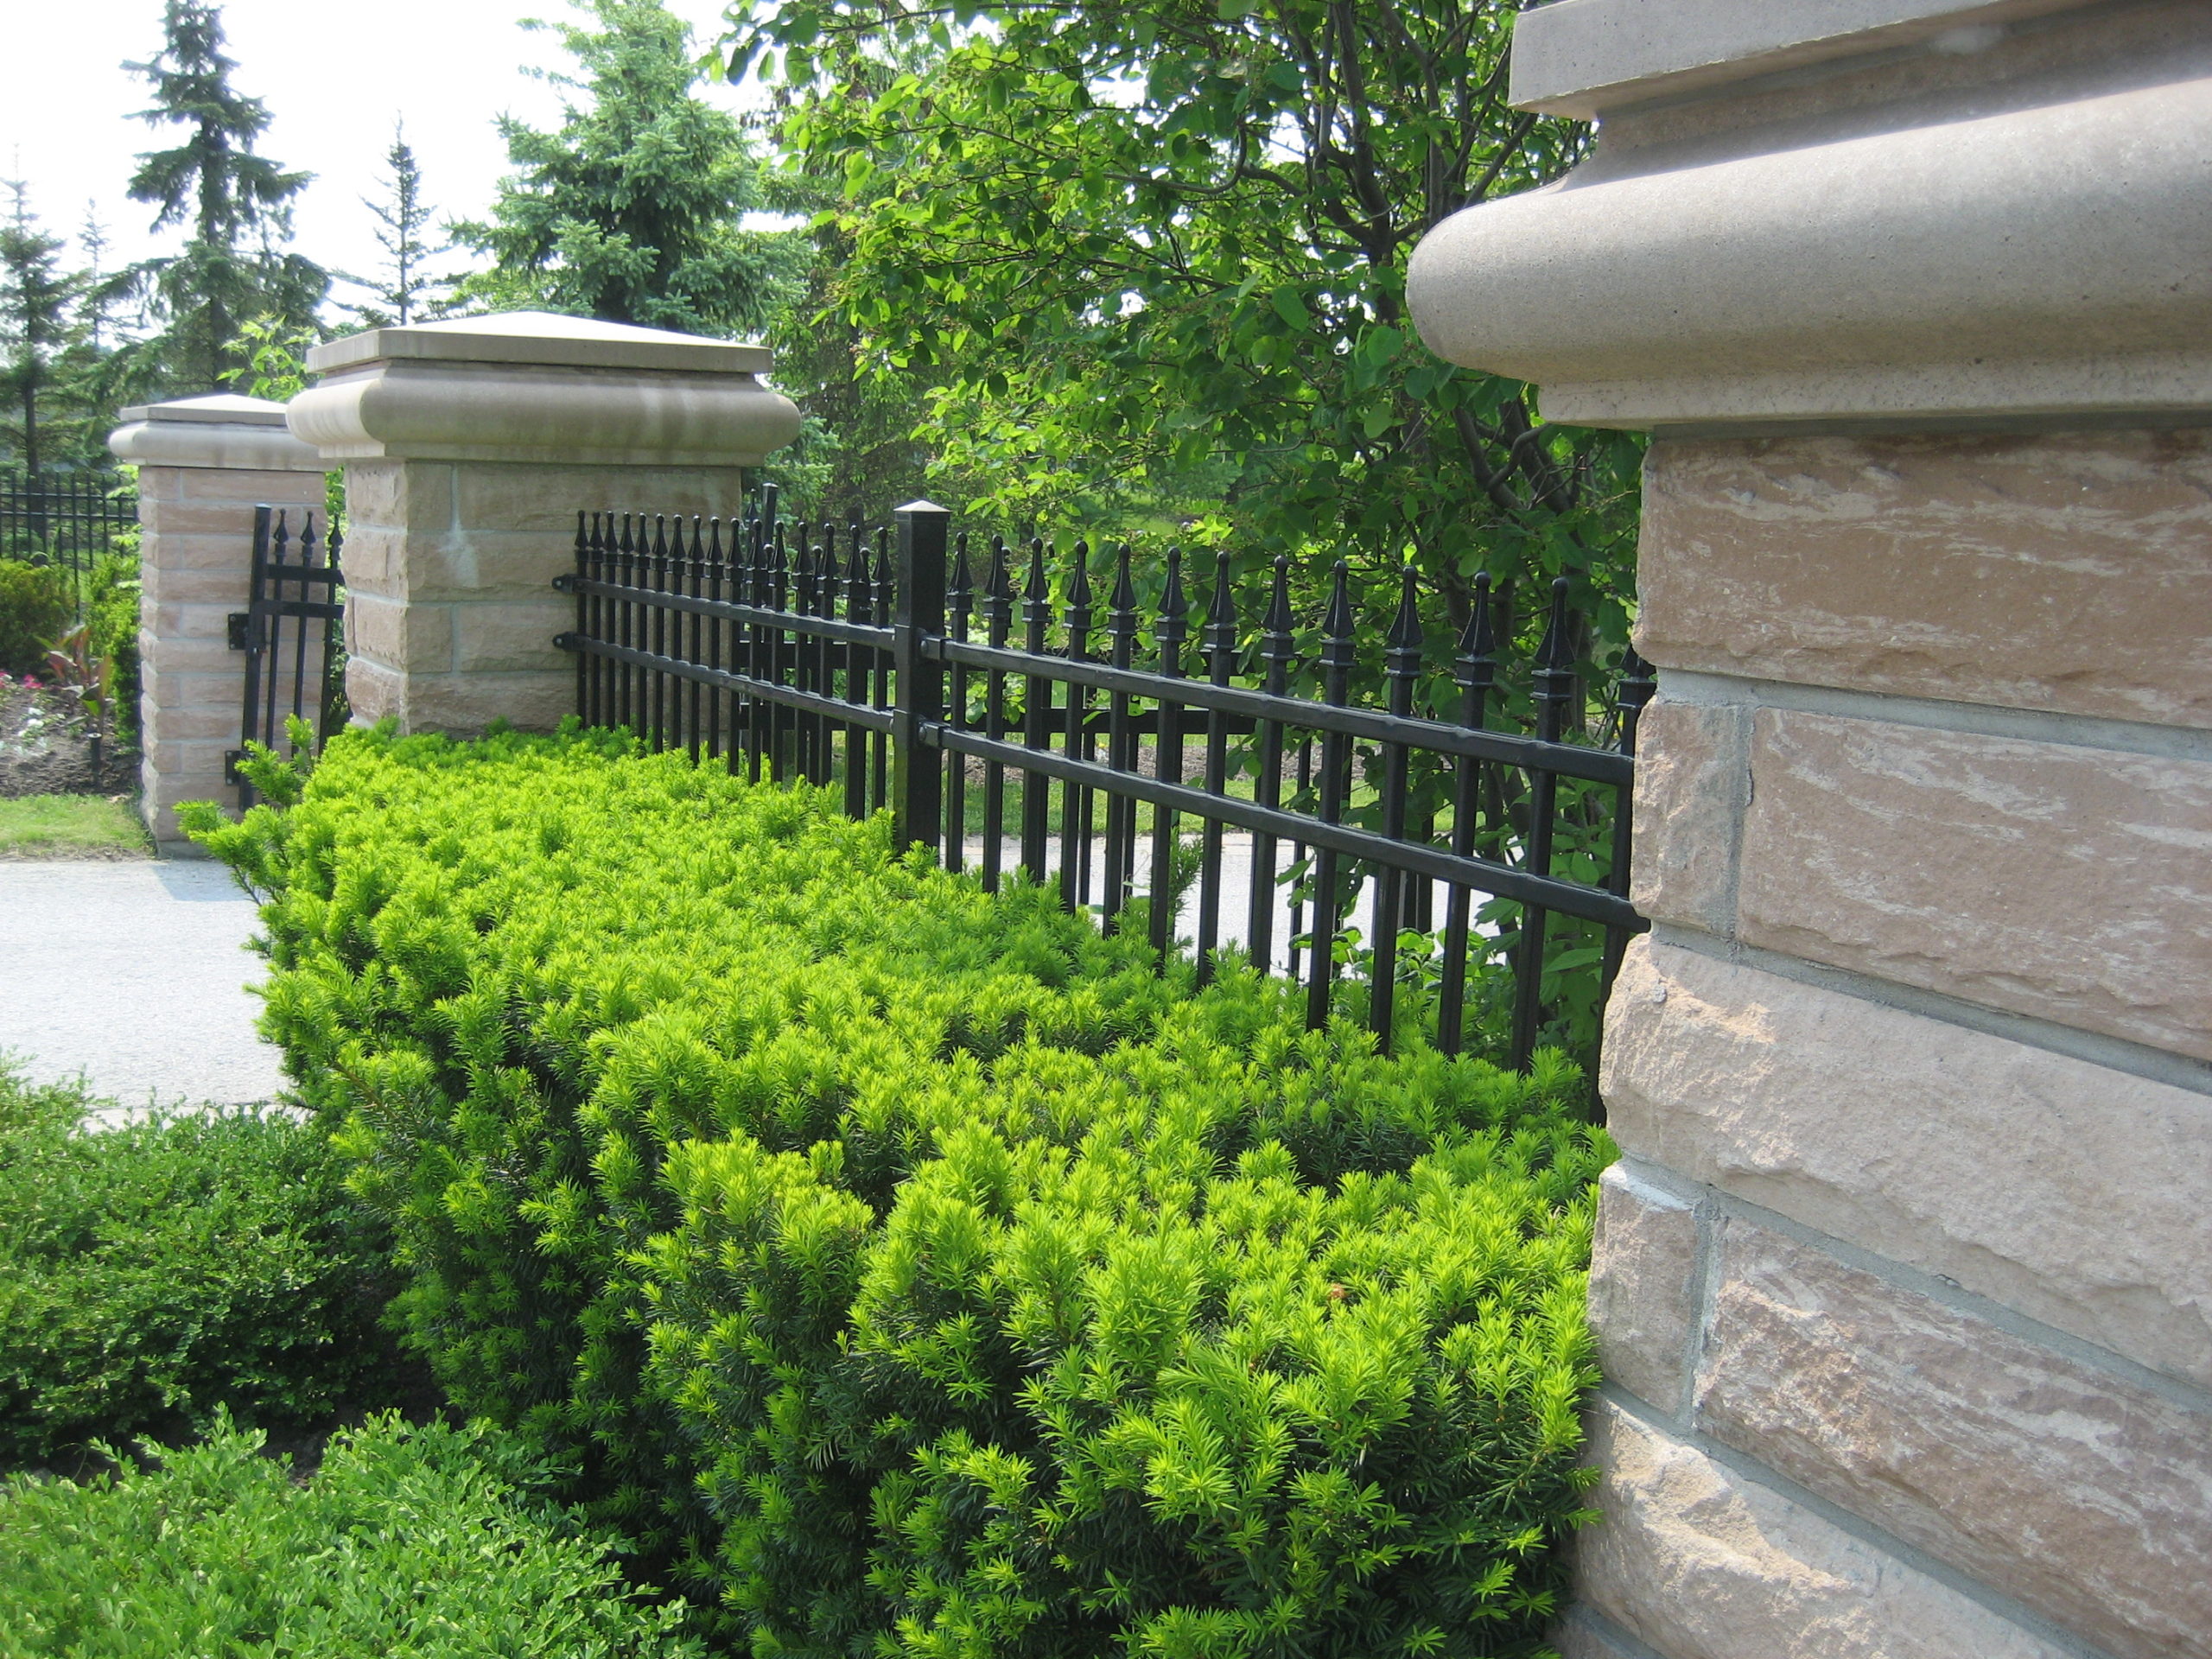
<point x="916" y="1270"/>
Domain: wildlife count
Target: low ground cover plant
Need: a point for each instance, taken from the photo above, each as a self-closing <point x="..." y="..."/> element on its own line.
<point x="409" y="1542"/>
<point x="917" y="1270"/>
<point x="154" y="1274"/>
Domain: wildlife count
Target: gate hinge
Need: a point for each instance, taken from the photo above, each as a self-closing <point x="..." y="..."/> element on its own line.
<point x="240" y="625"/>
<point x="232" y="759"/>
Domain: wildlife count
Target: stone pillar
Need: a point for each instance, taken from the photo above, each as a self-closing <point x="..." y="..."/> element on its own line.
<point x="1903" y="1288"/>
<point x="469" y="446"/>
<point x="204" y="464"/>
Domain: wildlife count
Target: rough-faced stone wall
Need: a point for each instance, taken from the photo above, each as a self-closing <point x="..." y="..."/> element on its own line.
<point x="450" y="608"/>
<point x="204" y="464"/>
<point x="470" y="446"/>
<point x="1904" y="1288"/>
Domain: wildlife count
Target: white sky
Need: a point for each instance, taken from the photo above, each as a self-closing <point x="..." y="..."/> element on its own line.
<point x="333" y="74"/>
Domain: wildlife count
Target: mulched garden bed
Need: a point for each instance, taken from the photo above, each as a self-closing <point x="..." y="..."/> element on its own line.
<point x="45" y="746"/>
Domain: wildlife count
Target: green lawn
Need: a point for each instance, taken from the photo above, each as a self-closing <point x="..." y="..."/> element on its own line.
<point x="71" y="826"/>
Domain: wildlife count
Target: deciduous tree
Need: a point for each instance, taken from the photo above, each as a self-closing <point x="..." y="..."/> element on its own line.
<point x="1169" y="243"/>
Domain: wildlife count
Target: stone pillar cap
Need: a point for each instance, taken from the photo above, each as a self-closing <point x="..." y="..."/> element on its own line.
<point x="1858" y="214"/>
<point x="1585" y="58"/>
<point x="533" y="387"/>
<point x="541" y="337"/>
<point x="216" y="428"/>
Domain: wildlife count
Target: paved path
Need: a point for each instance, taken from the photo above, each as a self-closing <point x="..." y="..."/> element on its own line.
<point x="135" y="973"/>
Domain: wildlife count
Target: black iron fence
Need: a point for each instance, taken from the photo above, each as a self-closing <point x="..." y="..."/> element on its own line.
<point x="64" y="518"/>
<point x="1363" y="833"/>
<point x="290" y="632"/>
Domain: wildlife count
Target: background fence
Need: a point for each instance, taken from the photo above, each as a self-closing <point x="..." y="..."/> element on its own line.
<point x="65" y="518"/>
<point x="1376" y="834"/>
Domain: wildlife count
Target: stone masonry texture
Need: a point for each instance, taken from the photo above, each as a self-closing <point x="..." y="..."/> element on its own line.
<point x="2054" y="571"/>
<point x="2006" y="1169"/>
<point x="1692" y="780"/>
<point x="2083" y="1496"/>
<point x="451" y="565"/>
<point x="2070" y="884"/>
<point x="1700" y="1563"/>
<point x="1643" y="1288"/>
<point x="197" y="550"/>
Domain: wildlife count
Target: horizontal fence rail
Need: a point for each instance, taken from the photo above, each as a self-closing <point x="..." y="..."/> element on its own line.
<point x="1112" y="751"/>
<point x="64" y="518"/>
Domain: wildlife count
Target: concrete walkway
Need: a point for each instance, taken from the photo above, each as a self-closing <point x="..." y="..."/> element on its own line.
<point x="134" y="974"/>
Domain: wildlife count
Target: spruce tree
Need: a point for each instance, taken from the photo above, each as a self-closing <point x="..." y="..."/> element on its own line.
<point x="404" y="288"/>
<point x="630" y="211"/>
<point x="233" y="268"/>
<point x="36" y="297"/>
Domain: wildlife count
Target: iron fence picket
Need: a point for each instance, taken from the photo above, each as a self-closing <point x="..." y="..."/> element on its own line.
<point x="869" y="676"/>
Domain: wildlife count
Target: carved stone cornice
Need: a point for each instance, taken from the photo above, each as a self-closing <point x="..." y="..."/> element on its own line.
<point x="219" y="430"/>
<point x="1952" y="214"/>
<point x="534" y="387"/>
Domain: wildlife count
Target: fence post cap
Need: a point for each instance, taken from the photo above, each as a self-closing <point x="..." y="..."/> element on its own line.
<point x="544" y="337"/>
<point x="217" y="429"/>
<point x="2010" y="228"/>
<point x="921" y="506"/>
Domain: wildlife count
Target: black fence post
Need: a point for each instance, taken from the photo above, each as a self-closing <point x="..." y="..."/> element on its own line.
<point x="918" y="621"/>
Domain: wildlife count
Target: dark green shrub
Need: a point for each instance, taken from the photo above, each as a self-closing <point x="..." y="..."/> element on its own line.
<point x="112" y="608"/>
<point x="154" y="1274"/>
<point x="409" y="1542"/>
<point x="37" y="603"/>
<point x="800" y="1192"/>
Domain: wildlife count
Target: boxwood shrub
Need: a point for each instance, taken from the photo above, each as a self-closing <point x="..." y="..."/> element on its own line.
<point x="409" y="1543"/>
<point x="918" y="1269"/>
<point x="156" y="1272"/>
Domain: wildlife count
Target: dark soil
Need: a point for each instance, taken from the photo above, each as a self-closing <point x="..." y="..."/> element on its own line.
<point x="45" y="746"/>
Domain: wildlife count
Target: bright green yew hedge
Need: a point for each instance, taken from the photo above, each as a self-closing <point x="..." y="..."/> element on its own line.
<point x="917" y="1268"/>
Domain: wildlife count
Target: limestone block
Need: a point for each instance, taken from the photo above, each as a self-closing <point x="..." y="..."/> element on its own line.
<point x="400" y="494"/>
<point x="1701" y="1564"/>
<point x="2057" y="573"/>
<point x="1579" y="1635"/>
<point x="229" y="553"/>
<point x="227" y="587"/>
<point x="2071" y="1192"/>
<point x="515" y="635"/>
<point x="2068" y="883"/>
<point x="186" y="757"/>
<point x="487" y="564"/>
<point x="417" y="639"/>
<point x="469" y="702"/>
<point x="237" y="487"/>
<point x="374" y="692"/>
<point x="197" y="643"/>
<point x="229" y="520"/>
<point x="374" y="559"/>
<point x="2084" y="1497"/>
<point x="210" y="721"/>
<point x="1643" y="1288"/>
<point x="1692" y="780"/>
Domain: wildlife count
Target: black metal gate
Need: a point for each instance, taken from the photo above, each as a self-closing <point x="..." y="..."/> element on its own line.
<point x="291" y="632"/>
